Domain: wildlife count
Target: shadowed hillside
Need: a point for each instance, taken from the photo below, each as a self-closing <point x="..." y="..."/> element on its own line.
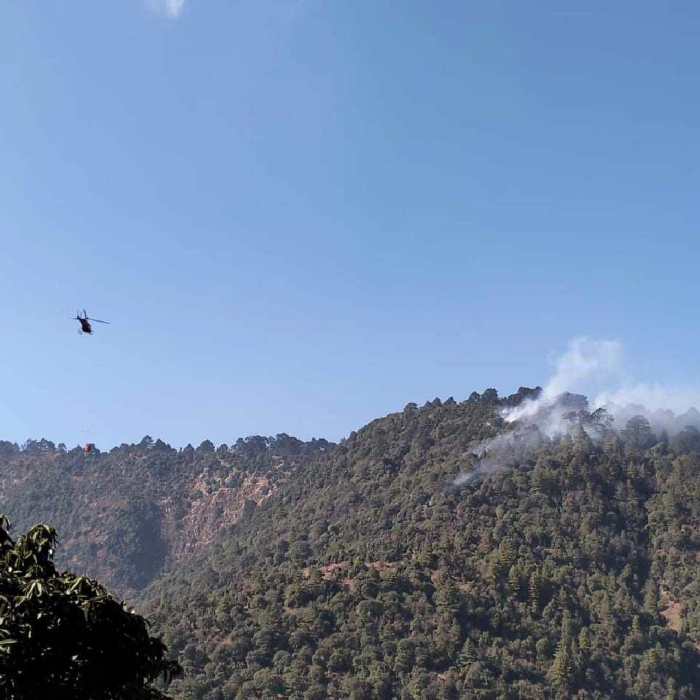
<point x="128" y="514"/>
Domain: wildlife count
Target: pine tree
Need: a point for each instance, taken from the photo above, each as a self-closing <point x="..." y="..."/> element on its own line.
<point x="514" y="580"/>
<point x="468" y="654"/>
<point x="534" y="590"/>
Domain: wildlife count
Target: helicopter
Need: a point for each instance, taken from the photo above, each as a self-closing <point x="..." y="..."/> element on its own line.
<point x="85" y="326"/>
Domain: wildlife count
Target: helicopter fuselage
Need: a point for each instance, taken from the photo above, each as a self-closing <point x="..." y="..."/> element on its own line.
<point x="85" y="325"/>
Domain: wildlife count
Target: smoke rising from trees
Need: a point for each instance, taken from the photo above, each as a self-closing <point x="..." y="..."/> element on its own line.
<point x="634" y="411"/>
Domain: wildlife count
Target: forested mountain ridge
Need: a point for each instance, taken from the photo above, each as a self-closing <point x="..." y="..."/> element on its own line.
<point x="126" y="515"/>
<point x="568" y="570"/>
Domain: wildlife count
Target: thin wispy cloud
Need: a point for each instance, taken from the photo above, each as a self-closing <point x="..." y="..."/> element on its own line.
<point x="169" y="8"/>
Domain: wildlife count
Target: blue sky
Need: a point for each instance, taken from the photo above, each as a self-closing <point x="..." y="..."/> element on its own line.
<point x="300" y="215"/>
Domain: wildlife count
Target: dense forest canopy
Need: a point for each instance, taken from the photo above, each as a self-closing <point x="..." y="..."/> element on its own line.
<point x="439" y="552"/>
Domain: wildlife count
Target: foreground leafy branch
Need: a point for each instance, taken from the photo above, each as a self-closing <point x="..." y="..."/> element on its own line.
<point x="64" y="636"/>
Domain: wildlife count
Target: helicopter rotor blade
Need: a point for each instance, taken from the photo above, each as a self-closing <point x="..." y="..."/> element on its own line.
<point x="97" y="320"/>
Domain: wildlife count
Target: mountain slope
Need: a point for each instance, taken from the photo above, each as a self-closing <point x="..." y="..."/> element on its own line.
<point x="567" y="572"/>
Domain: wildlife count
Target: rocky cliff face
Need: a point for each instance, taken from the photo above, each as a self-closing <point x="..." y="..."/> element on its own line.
<point x="216" y="501"/>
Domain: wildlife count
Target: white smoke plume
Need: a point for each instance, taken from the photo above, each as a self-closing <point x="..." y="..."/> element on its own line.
<point x="467" y="477"/>
<point x="651" y="396"/>
<point x="587" y="362"/>
<point x="585" y="359"/>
